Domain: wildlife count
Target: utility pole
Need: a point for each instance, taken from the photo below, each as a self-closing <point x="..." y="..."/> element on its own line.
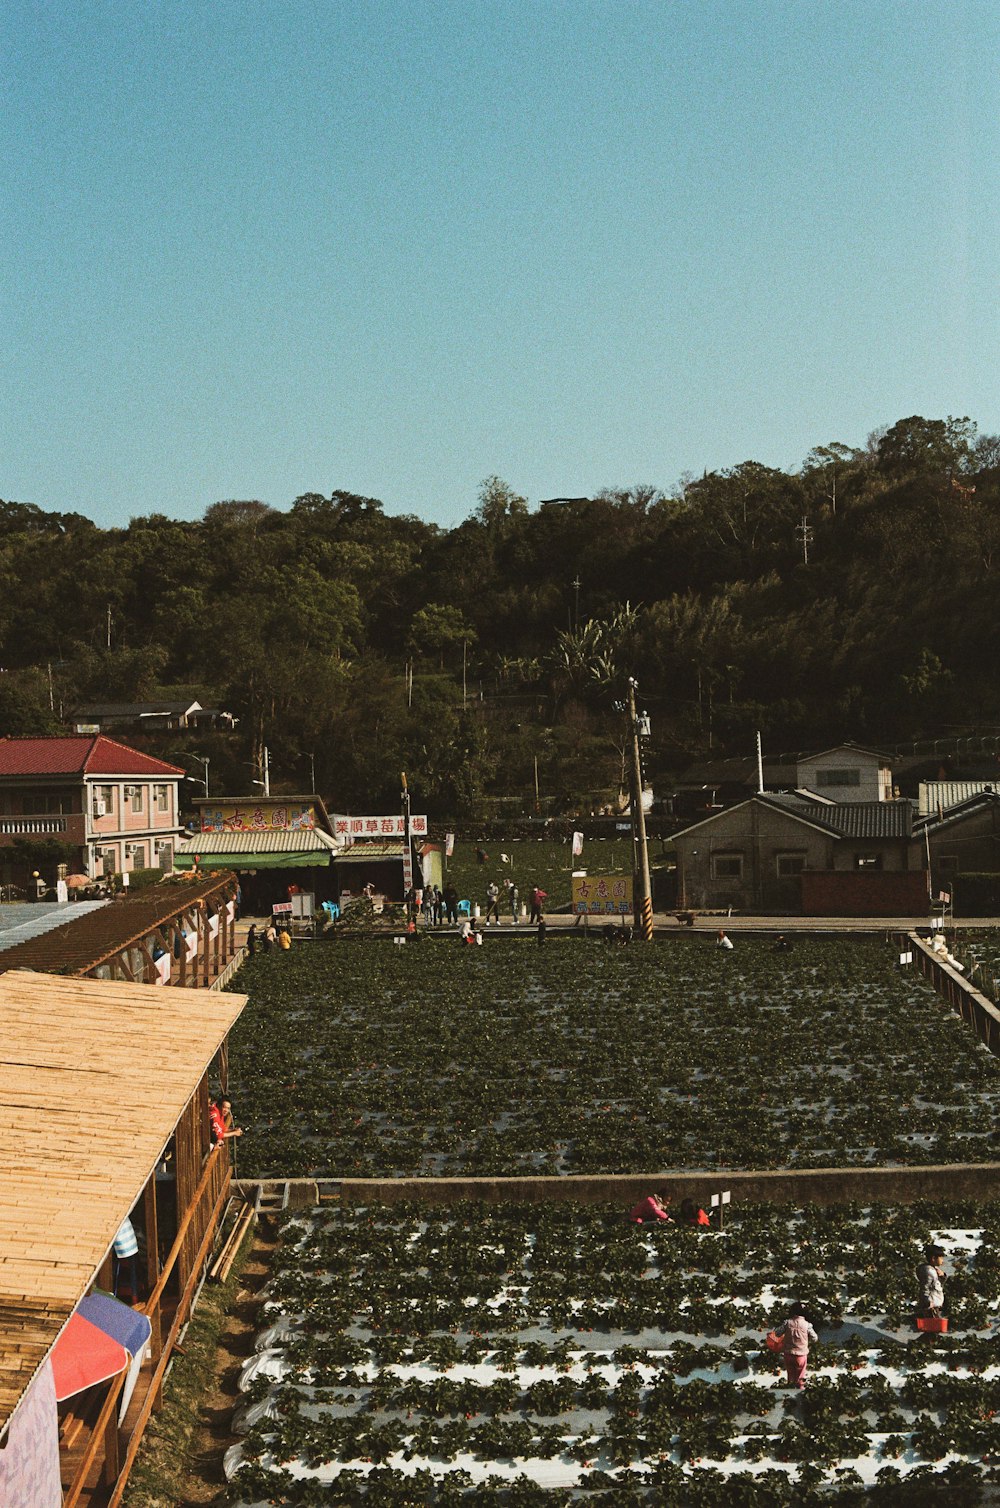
<point x="805" y="533"/>
<point x="643" y="900"/>
<point x="407" y="851"/>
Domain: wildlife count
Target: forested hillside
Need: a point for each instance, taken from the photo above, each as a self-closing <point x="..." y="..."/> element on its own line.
<point x="854" y="597"/>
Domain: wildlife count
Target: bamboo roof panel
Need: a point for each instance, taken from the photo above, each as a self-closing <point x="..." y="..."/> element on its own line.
<point x="94" y="1076"/>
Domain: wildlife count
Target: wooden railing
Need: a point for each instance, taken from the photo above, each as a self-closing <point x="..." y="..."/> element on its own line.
<point x="963" y="997"/>
<point x="198" y="1226"/>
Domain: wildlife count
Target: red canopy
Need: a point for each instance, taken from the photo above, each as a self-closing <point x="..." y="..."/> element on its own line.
<point x="84" y="1355"/>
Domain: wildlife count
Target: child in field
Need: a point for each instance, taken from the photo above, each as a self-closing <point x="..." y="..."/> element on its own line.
<point x="691" y="1213"/>
<point x="929" y="1275"/>
<point x="797" y="1332"/>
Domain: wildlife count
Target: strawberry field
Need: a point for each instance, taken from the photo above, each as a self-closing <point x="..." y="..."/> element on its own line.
<point x="534" y="861"/>
<point x="356" y="1058"/>
<point x="568" y="1357"/>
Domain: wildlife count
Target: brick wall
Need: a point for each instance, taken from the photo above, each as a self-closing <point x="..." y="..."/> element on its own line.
<point x="857" y="892"/>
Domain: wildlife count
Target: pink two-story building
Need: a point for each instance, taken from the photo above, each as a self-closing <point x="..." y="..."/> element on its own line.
<point x="117" y="807"/>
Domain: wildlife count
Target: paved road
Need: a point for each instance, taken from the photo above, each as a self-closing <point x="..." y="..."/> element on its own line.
<point x="666" y="925"/>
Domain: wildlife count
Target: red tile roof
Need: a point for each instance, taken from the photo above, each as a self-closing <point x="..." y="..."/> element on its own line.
<point x="77" y="754"/>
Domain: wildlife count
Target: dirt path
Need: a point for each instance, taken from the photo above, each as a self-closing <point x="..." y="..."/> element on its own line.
<point x="214" y="1434"/>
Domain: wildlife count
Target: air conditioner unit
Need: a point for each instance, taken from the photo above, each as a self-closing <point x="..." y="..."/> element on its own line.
<point x="100" y="808"/>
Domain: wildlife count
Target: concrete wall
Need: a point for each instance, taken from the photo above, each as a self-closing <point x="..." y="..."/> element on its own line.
<point x="759" y="834"/>
<point x="969" y="846"/>
<point x="827" y="1186"/>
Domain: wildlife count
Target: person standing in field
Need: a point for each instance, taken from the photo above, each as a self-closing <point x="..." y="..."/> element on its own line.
<point x="537" y="897"/>
<point x="492" y="902"/>
<point x="797" y="1333"/>
<point x="930" y="1301"/>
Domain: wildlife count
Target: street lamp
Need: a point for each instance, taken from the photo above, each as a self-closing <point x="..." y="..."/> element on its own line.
<point x="204" y="760"/>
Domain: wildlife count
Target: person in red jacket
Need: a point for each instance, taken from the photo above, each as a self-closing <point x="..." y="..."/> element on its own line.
<point x="691" y="1213"/>
<point x="220" y="1113"/>
<point x="650" y="1209"/>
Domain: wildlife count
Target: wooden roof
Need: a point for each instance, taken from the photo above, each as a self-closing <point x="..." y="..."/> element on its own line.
<point x="81" y="944"/>
<point x="94" y="1076"/>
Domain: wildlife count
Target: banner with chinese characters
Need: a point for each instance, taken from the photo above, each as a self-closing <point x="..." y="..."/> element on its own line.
<point x="349" y="828"/>
<point x="257" y="817"/>
<point x="602" y="894"/>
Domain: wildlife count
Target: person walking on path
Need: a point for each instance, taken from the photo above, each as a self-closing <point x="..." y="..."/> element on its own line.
<point x="252" y="940"/>
<point x="537" y="897"/>
<point x="797" y="1333"/>
<point x="513" y="897"/>
<point x="492" y="902"/>
<point x="450" y="898"/>
<point x="930" y="1301"/>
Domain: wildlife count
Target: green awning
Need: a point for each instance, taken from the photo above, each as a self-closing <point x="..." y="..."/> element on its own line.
<point x="302" y="859"/>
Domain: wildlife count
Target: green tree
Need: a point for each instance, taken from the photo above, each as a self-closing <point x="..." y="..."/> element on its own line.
<point x="436" y="629"/>
<point x="925" y="445"/>
<point x="500" y="507"/>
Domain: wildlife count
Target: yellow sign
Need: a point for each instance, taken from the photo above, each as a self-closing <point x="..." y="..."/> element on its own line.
<point x="602" y="894"/>
<point x="256" y="816"/>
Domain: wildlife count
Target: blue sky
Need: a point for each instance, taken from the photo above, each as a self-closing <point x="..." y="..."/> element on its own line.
<point x="253" y="250"/>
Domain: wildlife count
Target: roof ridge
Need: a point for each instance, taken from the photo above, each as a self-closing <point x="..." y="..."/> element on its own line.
<point x="102" y="738"/>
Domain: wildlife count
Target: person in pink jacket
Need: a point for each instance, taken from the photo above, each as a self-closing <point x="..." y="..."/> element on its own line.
<point x="797" y="1333"/>
<point x="650" y="1209"/>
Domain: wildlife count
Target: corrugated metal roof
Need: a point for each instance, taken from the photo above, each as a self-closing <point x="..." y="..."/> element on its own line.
<point x="134" y="709"/>
<point x="267" y="840"/>
<point x="360" y="852"/>
<point x="77" y="754"/>
<point x="935" y="794"/>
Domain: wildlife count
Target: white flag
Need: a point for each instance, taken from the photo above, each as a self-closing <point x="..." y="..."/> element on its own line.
<point x="577" y="845"/>
<point x="449" y="845"/>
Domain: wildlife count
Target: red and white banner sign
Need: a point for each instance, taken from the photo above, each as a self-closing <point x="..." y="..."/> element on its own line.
<point x="349" y="828"/>
<point x="577" y="845"/>
<point x="449" y="844"/>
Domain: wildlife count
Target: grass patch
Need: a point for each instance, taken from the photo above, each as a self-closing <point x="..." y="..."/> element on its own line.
<point x="165" y="1467"/>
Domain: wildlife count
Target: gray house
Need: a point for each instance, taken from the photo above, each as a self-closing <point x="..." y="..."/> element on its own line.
<point x="962" y="839"/>
<point x="753" y="856"/>
<point x="846" y="773"/>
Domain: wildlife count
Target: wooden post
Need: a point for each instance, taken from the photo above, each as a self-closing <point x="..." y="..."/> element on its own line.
<point x="152" y="1263"/>
<point x="112" y="1458"/>
<point x="205" y="944"/>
